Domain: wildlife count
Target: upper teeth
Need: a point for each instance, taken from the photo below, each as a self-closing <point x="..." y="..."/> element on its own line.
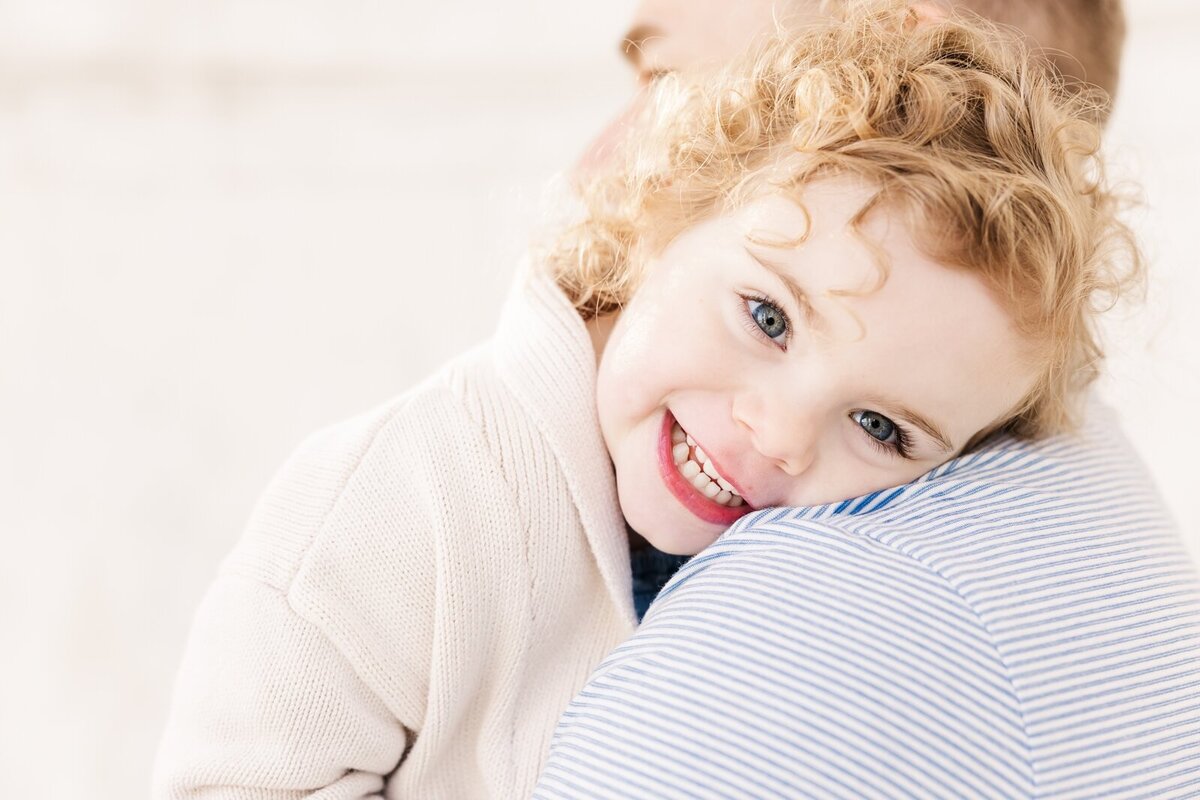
<point x="696" y="467"/>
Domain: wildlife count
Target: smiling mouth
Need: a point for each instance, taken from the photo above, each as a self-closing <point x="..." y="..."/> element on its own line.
<point x="695" y="465"/>
<point x="692" y="477"/>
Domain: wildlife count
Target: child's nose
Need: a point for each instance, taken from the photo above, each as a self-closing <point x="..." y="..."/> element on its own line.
<point x="785" y="436"/>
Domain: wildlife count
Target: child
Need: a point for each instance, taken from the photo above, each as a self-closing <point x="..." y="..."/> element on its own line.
<point x="832" y="269"/>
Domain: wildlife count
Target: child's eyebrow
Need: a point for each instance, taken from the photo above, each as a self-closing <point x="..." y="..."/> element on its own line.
<point x="931" y="430"/>
<point x="812" y="316"/>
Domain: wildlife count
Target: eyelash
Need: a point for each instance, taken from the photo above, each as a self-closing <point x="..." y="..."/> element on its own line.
<point x="903" y="445"/>
<point x="752" y="326"/>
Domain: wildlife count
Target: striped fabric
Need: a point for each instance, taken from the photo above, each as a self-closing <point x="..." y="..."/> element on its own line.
<point x="1020" y="623"/>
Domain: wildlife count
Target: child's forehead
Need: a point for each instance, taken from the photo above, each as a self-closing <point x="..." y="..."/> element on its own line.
<point x="793" y="213"/>
<point x="842" y="212"/>
<point x="822" y="245"/>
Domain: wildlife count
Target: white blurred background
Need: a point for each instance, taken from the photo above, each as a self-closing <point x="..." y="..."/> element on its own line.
<point x="224" y="224"/>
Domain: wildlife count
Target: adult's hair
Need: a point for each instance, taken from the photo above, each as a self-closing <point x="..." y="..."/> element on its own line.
<point x="1081" y="38"/>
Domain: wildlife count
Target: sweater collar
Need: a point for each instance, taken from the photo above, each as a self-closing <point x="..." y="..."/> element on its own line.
<point x="545" y="356"/>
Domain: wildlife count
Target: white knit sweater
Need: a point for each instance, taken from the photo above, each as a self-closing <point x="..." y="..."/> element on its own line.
<point x="427" y="586"/>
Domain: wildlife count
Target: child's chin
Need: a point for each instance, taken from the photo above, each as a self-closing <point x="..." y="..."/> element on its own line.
<point x="679" y="543"/>
<point x="673" y="531"/>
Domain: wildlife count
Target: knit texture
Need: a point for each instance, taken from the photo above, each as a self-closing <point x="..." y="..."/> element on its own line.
<point x="420" y="591"/>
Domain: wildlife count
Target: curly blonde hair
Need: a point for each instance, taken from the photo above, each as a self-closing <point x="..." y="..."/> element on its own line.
<point x="995" y="162"/>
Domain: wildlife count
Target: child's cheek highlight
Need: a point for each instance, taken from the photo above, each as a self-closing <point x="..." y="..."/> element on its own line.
<point x="633" y="363"/>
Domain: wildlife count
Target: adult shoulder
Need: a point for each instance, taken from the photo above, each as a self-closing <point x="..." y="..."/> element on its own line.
<point x="979" y="633"/>
<point x="799" y="660"/>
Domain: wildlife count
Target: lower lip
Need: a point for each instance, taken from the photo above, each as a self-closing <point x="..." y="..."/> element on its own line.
<point x="684" y="491"/>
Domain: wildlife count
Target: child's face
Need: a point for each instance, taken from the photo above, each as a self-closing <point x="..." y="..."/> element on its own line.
<point x="795" y="404"/>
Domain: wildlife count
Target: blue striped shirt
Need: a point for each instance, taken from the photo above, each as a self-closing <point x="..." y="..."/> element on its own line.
<point x="1022" y="622"/>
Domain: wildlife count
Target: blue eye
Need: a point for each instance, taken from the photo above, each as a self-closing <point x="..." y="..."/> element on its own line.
<point x="885" y="434"/>
<point x="769" y="318"/>
<point x="877" y="425"/>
